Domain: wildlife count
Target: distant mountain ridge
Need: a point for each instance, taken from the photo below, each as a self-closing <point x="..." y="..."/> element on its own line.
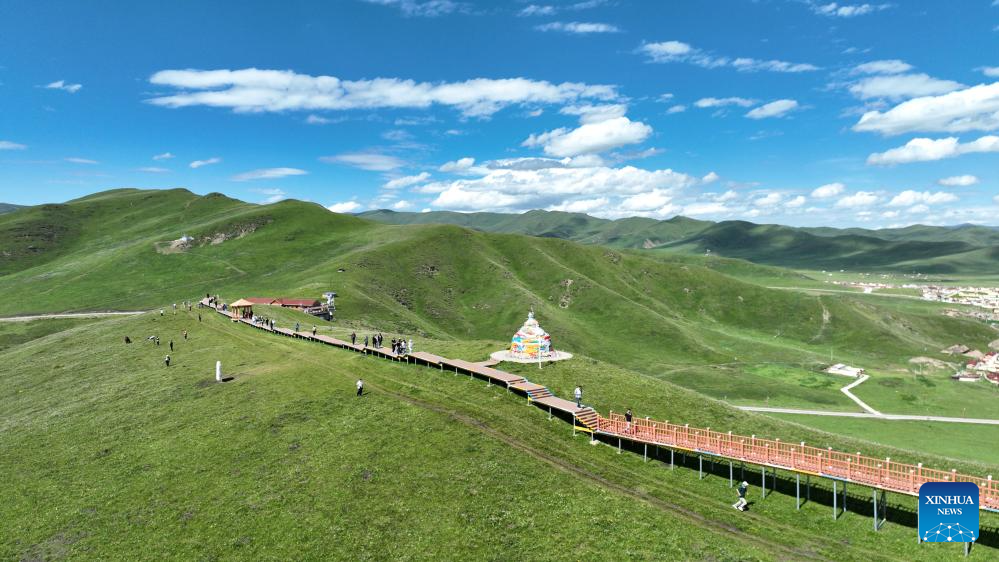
<point x="930" y="249"/>
<point x="9" y="208"/>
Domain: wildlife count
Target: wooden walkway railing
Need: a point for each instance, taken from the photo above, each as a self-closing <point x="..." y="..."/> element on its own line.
<point x="882" y="474"/>
<point x="878" y="473"/>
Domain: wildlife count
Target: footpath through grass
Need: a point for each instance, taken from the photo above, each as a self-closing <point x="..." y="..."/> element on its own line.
<point x="129" y="456"/>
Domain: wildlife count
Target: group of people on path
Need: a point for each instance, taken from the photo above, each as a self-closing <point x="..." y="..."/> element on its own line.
<point x="399" y="346"/>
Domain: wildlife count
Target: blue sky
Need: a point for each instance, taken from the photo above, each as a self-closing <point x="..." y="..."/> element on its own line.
<point x="787" y="111"/>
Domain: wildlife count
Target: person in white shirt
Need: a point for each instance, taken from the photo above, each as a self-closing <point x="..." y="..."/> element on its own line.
<point x="360" y="387"/>
<point x="578" y="393"/>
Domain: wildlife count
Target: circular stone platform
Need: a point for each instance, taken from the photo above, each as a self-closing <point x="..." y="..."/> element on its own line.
<point x="504" y="355"/>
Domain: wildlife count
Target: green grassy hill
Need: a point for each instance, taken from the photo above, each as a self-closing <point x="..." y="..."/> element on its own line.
<point x="129" y="456"/>
<point x="964" y="249"/>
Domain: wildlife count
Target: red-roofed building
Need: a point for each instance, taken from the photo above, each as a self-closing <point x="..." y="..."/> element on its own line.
<point x="261" y="300"/>
<point x="300" y="304"/>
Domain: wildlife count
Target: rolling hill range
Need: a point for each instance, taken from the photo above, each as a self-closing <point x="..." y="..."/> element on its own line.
<point x="964" y="249"/>
<point x="126" y="249"/>
<point x="7" y="208"/>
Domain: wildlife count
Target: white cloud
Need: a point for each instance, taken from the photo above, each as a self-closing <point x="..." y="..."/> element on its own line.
<point x="898" y="87"/>
<point x="893" y="66"/>
<point x="64" y="86"/>
<point x="990" y="71"/>
<point x="268" y="174"/>
<point x="253" y="90"/>
<point x="562" y="187"/>
<point x="777" y="108"/>
<point x="164" y="156"/>
<point x="10" y="145"/>
<point x="426" y="9"/>
<point x="397" y="135"/>
<point x="828" y="190"/>
<point x="344" y="207"/>
<point x="314" y="119"/>
<point x="153" y="170"/>
<point x="458" y="166"/>
<point x="273" y="194"/>
<point x="889" y="214"/>
<point x="833" y="9"/>
<point x="676" y="109"/>
<point x="76" y="160"/>
<point x="796" y="202"/>
<point x="701" y="209"/>
<point x="595" y="113"/>
<point x="925" y="150"/>
<point x="709" y="178"/>
<point x="768" y="200"/>
<point x="678" y="51"/>
<point x="910" y="197"/>
<point x="723" y="102"/>
<point x="917" y="209"/>
<point x="858" y="199"/>
<point x="406" y="181"/>
<point x="373" y="161"/>
<point x="401" y="205"/>
<point x="581" y="205"/>
<point x="958" y="181"/>
<point x="536" y="10"/>
<point x="579" y="28"/>
<point x="207" y="162"/>
<point x="591" y="138"/>
<point x="729" y="195"/>
<point x="974" y="108"/>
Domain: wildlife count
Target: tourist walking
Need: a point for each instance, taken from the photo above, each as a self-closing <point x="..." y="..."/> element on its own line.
<point x="128" y="339"/>
<point x="409" y="347"/>
<point x="185" y="335"/>
<point x="578" y="393"/>
<point x="313" y="330"/>
<point x="161" y="312"/>
<point x="296" y="327"/>
<point x="171" y="346"/>
<point x="741" y="504"/>
<point x="199" y="317"/>
<point x="166" y="360"/>
<point x="157" y="340"/>
<point x="627" y="420"/>
<point x="365" y="341"/>
<point x="360" y="387"/>
<point x="353" y="338"/>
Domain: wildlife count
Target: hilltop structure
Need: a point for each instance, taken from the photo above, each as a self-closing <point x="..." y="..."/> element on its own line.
<point x="531" y="344"/>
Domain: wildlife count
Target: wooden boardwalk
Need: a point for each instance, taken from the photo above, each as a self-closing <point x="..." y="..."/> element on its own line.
<point x="878" y="474"/>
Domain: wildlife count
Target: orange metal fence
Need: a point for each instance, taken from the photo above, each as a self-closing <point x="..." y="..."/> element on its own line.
<point x="884" y="474"/>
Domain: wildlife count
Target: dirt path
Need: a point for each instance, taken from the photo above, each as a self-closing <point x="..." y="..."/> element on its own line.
<point x="70" y="315"/>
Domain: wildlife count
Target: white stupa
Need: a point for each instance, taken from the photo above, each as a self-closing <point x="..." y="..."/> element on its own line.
<point x="531" y="344"/>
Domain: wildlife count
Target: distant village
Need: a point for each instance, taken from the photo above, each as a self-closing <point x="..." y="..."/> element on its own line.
<point x="986" y="298"/>
<point x="979" y="366"/>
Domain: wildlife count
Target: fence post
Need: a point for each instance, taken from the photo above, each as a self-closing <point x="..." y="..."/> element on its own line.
<point x="835" y="495"/>
<point x="730" y="470"/>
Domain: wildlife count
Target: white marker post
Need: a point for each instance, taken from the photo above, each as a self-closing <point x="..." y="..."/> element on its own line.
<point x="218" y="371"/>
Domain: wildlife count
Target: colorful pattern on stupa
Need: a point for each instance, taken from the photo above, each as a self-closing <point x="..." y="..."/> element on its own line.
<point x="530" y="341"/>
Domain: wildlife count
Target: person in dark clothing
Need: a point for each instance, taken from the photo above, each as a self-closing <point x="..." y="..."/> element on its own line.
<point x="296" y="326"/>
<point x="185" y="335"/>
<point x="313" y="330"/>
<point x="353" y="338"/>
<point x="128" y="339"/>
<point x="171" y="345"/>
<point x="157" y="340"/>
<point x="360" y="387"/>
<point x="166" y="360"/>
<point x="741" y="504"/>
<point x="394" y="343"/>
<point x="365" y="341"/>
<point x="199" y="317"/>
<point x="627" y="420"/>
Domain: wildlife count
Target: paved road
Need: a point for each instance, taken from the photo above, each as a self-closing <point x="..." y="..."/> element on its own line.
<point x="69" y="315"/>
<point x="902" y="417"/>
<point x="846" y="390"/>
